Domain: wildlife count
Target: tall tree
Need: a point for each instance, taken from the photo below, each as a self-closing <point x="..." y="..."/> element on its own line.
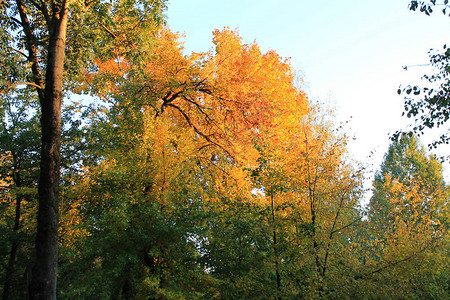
<point x="42" y="29"/>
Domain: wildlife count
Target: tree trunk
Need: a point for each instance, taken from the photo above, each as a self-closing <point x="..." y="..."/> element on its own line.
<point x="43" y="282"/>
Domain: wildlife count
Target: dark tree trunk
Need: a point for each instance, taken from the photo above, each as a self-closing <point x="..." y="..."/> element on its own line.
<point x="43" y="282"/>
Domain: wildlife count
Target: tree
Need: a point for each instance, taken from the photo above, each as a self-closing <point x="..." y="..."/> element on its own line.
<point x="42" y="29"/>
<point x="171" y="174"/>
<point x="408" y="217"/>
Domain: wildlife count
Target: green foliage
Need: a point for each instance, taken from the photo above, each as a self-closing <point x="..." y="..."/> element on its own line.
<point x="238" y="251"/>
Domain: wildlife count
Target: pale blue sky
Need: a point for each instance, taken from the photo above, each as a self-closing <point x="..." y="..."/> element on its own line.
<point x="350" y="52"/>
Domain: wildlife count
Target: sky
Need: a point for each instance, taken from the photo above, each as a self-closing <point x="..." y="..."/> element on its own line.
<point x="349" y="53"/>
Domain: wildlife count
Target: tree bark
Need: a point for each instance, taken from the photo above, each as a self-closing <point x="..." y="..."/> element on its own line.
<point x="43" y="282"/>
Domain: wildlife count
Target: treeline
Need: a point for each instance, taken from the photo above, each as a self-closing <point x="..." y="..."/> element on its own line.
<point x="210" y="176"/>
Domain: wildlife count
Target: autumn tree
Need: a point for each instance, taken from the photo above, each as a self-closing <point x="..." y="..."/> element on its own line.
<point x="174" y="151"/>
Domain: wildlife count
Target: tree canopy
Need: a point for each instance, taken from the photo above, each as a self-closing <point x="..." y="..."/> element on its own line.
<point x="195" y="176"/>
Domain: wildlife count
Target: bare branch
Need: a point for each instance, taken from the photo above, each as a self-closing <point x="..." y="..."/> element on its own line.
<point x="200" y="109"/>
<point x="15" y="20"/>
<point x="107" y="30"/>
<point x="205" y="136"/>
<point x="24" y="83"/>
<point x="18" y="51"/>
<point x="348" y="225"/>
